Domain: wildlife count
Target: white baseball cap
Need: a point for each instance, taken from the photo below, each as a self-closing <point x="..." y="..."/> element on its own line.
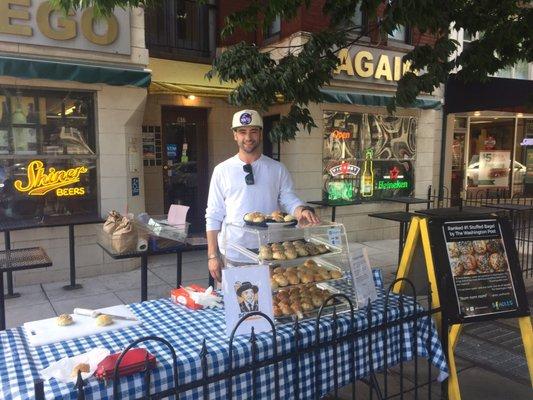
<point x="246" y="118"/>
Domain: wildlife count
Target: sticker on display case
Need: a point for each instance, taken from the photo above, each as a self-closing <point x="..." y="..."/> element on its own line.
<point x="247" y="289"/>
<point x="39" y="181"/>
<point x="334" y="236"/>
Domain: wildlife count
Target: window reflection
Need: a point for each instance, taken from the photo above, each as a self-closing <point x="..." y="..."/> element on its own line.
<point x="52" y="134"/>
<point x="495" y="161"/>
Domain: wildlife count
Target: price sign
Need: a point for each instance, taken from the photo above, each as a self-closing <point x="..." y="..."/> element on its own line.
<point x="334" y="236"/>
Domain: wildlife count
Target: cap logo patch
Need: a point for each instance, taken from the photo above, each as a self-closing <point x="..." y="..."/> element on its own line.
<point x="246" y="118"/>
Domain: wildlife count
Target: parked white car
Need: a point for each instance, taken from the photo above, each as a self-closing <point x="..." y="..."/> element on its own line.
<point x="472" y="172"/>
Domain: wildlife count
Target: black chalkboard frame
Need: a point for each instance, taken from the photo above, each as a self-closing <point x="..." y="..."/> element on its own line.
<point x="444" y="277"/>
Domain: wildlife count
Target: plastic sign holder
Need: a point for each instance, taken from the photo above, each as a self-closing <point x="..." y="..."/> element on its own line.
<point x="460" y="300"/>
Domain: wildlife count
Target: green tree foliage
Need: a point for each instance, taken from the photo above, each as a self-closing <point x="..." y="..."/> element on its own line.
<point x="504" y="29"/>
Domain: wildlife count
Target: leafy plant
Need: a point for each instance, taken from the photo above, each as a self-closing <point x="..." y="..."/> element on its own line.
<point x="504" y="37"/>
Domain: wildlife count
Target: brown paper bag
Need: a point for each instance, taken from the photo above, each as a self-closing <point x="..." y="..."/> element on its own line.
<point x="124" y="238"/>
<point x="112" y="222"/>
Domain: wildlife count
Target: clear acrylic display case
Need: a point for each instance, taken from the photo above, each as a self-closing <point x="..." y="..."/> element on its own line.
<point x="241" y="246"/>
<point x="241" y="243"/>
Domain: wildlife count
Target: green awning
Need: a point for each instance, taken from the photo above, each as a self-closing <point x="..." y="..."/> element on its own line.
<point x="61" y="71"/>
<point x="366" y="99"/>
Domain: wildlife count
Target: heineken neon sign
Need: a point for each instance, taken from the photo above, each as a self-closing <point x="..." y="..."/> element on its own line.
<point x="388" y="185"/>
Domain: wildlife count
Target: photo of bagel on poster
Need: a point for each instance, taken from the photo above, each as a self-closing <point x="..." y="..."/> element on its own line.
<point x="480" y="267"/>
<point x="477" y="257"/>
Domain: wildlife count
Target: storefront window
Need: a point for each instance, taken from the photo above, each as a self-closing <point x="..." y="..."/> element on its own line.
<point x="523" y="166"/>
<point x="458" y="156"/>
<point x="490" y="153"/>
<point x="367" y="156"/>
<point x="47" y="153"/>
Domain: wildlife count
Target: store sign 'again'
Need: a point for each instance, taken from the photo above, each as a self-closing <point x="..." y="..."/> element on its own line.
<point x="40" y="182"/>
<point x="362" y="62"/>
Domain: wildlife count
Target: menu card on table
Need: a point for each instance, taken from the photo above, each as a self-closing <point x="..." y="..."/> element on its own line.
<point x="363" y="281"/>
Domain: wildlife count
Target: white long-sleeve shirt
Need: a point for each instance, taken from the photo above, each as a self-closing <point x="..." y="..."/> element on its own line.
<point x="230" y="197"/>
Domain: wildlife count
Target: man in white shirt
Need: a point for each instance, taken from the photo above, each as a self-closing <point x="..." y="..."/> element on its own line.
<point x="247" y="182"/>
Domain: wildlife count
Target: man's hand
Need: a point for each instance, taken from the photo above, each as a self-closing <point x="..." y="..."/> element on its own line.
<point x="215" y="268"/>
<point x="306" y="216"/>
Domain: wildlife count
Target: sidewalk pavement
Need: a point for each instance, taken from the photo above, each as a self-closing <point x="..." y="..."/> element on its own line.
<point x="489" y="356"/>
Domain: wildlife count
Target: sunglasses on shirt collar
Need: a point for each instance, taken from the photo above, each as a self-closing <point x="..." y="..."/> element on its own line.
<point x="249" y="178"/>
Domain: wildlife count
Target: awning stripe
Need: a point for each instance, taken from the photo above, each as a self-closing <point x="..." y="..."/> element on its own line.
<point x="367" y="99"/>
<point x="58" y="71"/>
<point x="185" y="89"/>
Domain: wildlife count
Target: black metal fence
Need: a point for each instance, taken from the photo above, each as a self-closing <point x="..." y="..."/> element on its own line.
<point x="521" y="217"/>
<point x="419" y="383"/>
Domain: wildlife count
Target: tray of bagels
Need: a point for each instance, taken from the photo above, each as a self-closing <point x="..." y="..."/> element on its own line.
<point x="310" y="271"/>
<point x="276" y="218"/>
<point x="304" y="302"/>
<point x="298" y="291"/>
<point x="292" y="250"/>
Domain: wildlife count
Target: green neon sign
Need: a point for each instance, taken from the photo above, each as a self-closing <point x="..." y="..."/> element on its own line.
<point x="387" y="185"/>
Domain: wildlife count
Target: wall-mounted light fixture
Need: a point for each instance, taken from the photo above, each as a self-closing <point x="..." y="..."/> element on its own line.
<point x="190" y="97"/>
<point x="477" y="113"/>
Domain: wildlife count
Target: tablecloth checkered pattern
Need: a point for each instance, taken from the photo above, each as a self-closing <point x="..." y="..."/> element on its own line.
<point x="185" y="330"/>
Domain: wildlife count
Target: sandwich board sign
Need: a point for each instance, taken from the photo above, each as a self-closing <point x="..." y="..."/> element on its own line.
<point x="471" y="264"/>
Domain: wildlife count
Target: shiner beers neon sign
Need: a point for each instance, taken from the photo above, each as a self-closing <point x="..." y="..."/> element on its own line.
<point x="40" y="182"/>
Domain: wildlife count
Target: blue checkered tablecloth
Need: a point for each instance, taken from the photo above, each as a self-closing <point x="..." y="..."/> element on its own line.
<point x="20" y="363"/>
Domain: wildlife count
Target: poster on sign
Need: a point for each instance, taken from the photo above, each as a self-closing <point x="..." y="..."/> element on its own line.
<point x="477" y="268"/>
<point x="480" y="267"/>
<point x="247" y="289"/>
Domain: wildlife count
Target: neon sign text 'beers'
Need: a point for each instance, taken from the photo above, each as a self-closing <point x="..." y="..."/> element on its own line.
<point x="40" y="182"/>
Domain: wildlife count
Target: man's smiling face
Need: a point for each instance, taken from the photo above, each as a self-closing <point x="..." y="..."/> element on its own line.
<point x="248" y="138"/>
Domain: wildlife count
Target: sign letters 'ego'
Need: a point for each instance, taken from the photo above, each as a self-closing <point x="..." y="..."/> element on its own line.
<point x="38" y="22"/>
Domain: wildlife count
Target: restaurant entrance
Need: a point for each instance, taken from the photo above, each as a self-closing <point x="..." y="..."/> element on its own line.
<point x="185" y="161"/>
